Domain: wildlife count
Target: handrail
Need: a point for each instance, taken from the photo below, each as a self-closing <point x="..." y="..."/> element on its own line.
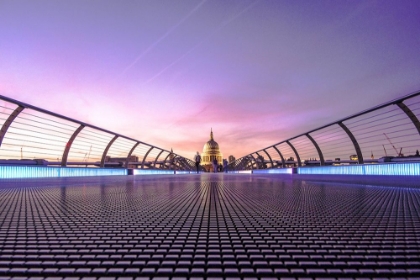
<point x="51" y="136"/>
<point x="403" y="123"/>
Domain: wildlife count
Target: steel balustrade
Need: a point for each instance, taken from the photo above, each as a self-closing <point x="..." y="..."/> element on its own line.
<point x="130" y="153"/>
<point x="390" y="130"/>
<point x="268" y="155"/>
<point x="281" y="156"/>
<point x="31" y="134"/>
<point x="68" y="145"/>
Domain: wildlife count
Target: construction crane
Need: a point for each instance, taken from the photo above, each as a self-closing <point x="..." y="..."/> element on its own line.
<point x="399" y="154"/>
<point x="385" y="150"/>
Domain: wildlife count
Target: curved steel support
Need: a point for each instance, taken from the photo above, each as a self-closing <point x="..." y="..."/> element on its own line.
<point x="68" y="145"/>
<point x="248" y="161"/>
<point x="191" y="164"/>
<point x="178" y="164"/>
<point x="164" y="161"/>
<point x="271" y="160"/>
<point x="248" y="164"/>
<point x="283" y="163"/>
<point x="129" y="154"/>
<point x="296" y="153"/>
<point x="354" y="141"/>
<point x="9" y="121"/>
<point x="241" y="164"/>
<point x="410" y="114"/>
<point x="244" y="163"/>
<point x="321" y="156"/>
<point x="145" y="156"/>
<point x="260" y="157"/>
<point x="184" y="163"/>
<point x="188" y="164"/>
<point x="236" y="164"/>
<point x="106" y="150"/>
<point x="256" y="163"/>
<point x="154" y="164"/>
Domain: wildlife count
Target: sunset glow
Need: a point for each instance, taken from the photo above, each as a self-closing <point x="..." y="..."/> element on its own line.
<point x="166" y="72"/>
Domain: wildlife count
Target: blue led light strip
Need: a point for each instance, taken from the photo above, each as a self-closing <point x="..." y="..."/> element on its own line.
<point x="274" y="171"/>
<point x="42" y="172"/>
<point x="151" y="172"/>
<point x="400" y="169"/>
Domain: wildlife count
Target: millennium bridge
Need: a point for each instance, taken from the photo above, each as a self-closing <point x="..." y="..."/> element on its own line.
<point x="338" y="202"/>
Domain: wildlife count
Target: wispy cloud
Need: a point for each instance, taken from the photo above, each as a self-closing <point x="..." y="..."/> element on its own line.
<point x="211" y="34"/>
<point x="172" y="29"/>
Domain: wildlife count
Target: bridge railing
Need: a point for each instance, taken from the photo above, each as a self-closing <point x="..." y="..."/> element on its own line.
<point x="389" y="132"/>
<point x="31" y="135"/>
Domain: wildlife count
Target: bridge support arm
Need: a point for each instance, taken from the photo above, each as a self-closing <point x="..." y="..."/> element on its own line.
<point x="106" y="150"/>
<point x="145" y="156"/>
<point x="410" y="114"/>
<point x="296" y="153"/>
<point x="245" y="162"/>
<point x="283" y="163"/>
<point x="154" y="164"/>
<point x="259" y="166"/>
<point x="321" y="156"/>
<point x="190" y="164"/>
<point x="262" y="164"/>
<point x="68" y="145"/>
<point x="354" y="141"/>
<point x="9" y="121"/>
<point x="271" y="160"/>
<point x="129" y="154"/>
<point x="164" y="161"/>
<point x="256" y="163"/>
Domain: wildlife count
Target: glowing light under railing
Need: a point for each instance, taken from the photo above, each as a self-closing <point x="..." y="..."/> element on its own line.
<point x="7" y="172"/>
<point x="241" y="171"/>
<point x="274" y="171"/>
<point x="151" y="172"/>
<point x="183" y="172"/>
<point x="401" y="169"/>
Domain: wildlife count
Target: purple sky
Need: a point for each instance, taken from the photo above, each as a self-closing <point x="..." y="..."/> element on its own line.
<point x="165" y="72"/>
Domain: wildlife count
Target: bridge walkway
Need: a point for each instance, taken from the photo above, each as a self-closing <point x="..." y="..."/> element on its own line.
<point x="209" y="225"/>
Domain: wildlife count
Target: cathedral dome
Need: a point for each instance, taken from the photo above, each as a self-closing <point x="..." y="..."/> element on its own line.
<point x="210" y="145"/>
<point x="211" y="151"/>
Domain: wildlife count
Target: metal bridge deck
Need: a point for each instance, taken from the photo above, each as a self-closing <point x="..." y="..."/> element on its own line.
<point x="209" y="225"/>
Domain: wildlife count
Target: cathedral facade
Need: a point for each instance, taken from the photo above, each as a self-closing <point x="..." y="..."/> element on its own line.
<point x="211" y="151"/>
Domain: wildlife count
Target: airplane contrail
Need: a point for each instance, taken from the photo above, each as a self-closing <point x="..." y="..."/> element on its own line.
<point x="162" y="37"/>
<point x="224" y="23"/>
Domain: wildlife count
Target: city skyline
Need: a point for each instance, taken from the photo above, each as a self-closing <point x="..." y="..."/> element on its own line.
<point x="257" y="72"/>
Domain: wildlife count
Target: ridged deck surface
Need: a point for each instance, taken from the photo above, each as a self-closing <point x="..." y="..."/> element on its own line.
<point x="209" y="225"/>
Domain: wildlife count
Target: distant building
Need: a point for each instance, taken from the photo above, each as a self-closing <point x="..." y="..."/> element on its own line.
<point x="290" y="162"/>
<point x="354" y="157"/>
<point x="231" y="159"/>
<point x="211" y="151"/>
<point x="121" y="161"/>
<point x="172" y="160"/>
